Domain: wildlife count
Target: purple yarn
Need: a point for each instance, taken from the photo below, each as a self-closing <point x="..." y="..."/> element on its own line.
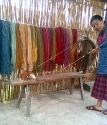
<point x="66" y="49"/>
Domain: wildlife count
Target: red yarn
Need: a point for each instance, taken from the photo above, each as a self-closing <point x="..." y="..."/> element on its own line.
<point x="47" y="44"/>
<point x="59" y="44"/>
<point x="74" y="34"/>
<point x="66" y="47"/>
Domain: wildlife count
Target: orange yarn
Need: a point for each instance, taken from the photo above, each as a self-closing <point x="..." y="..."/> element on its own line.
<point x="18" y="48"/>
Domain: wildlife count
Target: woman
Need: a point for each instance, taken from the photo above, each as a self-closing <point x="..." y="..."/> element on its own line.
<point x="99" y="90"/>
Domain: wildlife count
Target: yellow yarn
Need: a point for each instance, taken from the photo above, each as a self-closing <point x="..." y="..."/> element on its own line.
<point x="34" y="45"/>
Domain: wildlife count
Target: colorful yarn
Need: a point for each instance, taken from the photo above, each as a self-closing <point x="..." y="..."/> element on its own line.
<point x="29" y="54"/>
<point x="23" y="45"/>
<point x="47" y="45"/>
<point x="18" y="48"/>
<point x="71" y="56"/>
<point x="6" y="49"/>
<point x="51" y="63"/>
<point x="53" y="49"/>
<point x="59" y="43"/>
<point x="1" y="34"/>
<point x="13" y="45"/>
<point x="40" y="50"/>
<point x="34" y="44"/>
<point x="74" y="34"/>
<point x="66" y="48"/>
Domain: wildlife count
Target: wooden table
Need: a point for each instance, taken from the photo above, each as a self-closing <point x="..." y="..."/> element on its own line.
<point x="47" y="78"/>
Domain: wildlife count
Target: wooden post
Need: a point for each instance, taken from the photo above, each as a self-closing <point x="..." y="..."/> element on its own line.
<point x="20" y="96"/>
<point x="28" y="103"/>
<point x="72" y="86"/>
<point x="81" y="86"/>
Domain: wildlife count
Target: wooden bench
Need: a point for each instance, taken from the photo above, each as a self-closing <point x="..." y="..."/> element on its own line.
<point x="44" y="79"/>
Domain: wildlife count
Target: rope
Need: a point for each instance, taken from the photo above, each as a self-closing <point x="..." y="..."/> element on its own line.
<point x="74" y="61"/>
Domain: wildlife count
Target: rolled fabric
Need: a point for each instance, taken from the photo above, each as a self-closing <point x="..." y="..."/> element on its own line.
<point x="59" y="44"/>
<point x="13" y="44"/>
<point x="6" y="49"/>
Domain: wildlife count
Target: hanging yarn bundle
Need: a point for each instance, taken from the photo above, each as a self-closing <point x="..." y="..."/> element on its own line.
<point x="59" y="43"/>
<point x="1" y="34"/>
<point x="66" y="47"/>
<point x="24" y="46"/>
<point x="51" y="63"/>
<point x="74" y="34"/>
<point x="18" y="48"/>
<point x="13" y="45"/>
<point x="40" y="51"/>
<point x="54" y="48"/>
<point x="46" y="40"/>
<point x="34" y="44"/>
<point x="6" y="49"/>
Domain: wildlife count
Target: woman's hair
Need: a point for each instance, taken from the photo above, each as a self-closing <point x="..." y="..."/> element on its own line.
<point x="96" y="17"/>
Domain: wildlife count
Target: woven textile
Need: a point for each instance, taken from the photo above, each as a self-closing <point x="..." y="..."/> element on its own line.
<point x="99" y="90"/>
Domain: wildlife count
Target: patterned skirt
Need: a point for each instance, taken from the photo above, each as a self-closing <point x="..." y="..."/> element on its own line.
<point x="99" y="90"/>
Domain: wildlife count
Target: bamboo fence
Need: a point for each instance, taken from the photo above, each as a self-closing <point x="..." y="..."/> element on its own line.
<point x="50" y="13"/>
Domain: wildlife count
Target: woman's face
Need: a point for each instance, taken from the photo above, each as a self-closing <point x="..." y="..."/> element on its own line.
<point x="98" y="25"/>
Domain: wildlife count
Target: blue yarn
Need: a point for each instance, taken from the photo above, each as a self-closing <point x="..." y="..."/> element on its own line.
<point x="6" y="49"/>
<point x="1" y="46"/>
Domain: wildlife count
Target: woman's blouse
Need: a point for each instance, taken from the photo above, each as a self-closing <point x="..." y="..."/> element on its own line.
<point x="102" y="43"/>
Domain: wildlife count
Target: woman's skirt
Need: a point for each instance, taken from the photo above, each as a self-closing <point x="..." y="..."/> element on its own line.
<point x="99" y="90"/>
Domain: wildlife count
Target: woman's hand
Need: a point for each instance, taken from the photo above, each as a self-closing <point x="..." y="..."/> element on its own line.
<point x="95" y="50"/>
<point x="24" y="74"/>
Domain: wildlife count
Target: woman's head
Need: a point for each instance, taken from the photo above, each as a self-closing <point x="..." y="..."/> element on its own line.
<point x="97" y="23"/>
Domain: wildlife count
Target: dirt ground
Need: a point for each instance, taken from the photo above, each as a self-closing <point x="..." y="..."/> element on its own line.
<point x="54" y="108"/>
